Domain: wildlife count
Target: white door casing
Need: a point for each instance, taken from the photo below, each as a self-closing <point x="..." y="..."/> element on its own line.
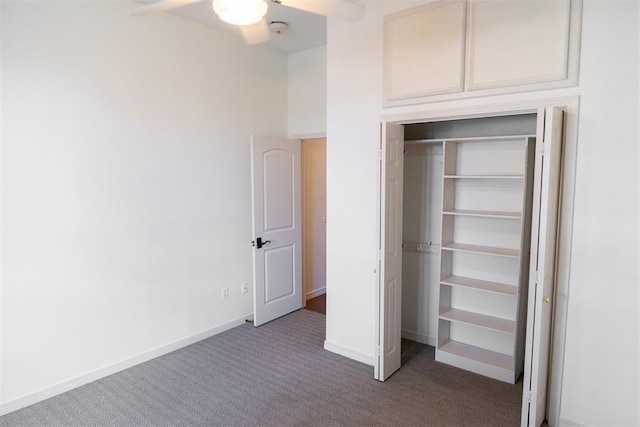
<point x="388" y="350"/>
<point x="542" y="265"/>
<point x="277" y="227"/>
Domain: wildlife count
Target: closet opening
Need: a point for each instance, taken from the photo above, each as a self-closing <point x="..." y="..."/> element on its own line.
<point x="466" y="232"/>
<point x="467" y="245"/>
<point x="314" y="224"/>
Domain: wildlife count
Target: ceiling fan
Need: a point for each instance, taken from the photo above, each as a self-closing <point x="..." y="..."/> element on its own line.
<point x="248" y="15"/>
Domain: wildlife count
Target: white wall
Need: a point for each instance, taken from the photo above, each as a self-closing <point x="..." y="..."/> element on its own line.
<point x="125" y="184"/>
<point x="602" y="362"/>
<point x="601" y="366"/>
<point x="307" y="93"/>
<point x="422" y="199"/>
<point x="354" y="109"/>
<point x="307" y="114"/>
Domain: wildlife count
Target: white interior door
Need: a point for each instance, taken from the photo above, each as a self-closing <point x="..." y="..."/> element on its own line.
<point x="542" y="270"/>
<point x="277" y="227"/>
<point x="390" y="251"/>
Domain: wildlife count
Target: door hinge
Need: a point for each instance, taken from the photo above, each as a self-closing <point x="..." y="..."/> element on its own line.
<point x="380" y="155"/>
<point x="536" y="277"/>
<point x="377" y="351"/>
<point x="379" y="260"/>
<point x="528" y="396"/>
<point x="543" y="148"/>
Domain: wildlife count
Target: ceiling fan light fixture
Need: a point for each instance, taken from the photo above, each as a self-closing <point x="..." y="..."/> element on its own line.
<point x="240" y="12"/>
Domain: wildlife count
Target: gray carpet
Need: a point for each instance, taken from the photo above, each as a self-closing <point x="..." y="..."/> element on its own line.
<point x="279" y="374"/>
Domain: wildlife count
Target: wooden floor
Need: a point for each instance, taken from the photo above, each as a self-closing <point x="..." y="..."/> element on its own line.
<point x="318" y="304"/>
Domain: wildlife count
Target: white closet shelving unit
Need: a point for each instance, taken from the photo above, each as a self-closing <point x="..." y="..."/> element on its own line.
<point x="484" y="258"/>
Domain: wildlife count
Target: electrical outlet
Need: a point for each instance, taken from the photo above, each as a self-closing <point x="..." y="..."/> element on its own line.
<point x="244" y="288"/>
<point x="225" y="293"/>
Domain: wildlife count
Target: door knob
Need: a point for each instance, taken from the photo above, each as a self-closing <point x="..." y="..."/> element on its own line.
<point x="258" y="243"/>
<point x="546" y="300"/>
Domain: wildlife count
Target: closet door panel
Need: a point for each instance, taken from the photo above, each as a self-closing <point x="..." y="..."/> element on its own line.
<point x="517" y="42"/>
<point x="424" y="50"/>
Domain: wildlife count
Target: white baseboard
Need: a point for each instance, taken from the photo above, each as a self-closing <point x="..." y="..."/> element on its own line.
<point x="315" y="293"/>
<point x="568" y="423"/>
<point x="45" y="393"/>
<point x="346" y="352"/>
<point x="414" y="336"/>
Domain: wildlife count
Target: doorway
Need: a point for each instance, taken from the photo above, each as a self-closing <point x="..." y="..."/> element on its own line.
<point x="314" y="230"/>
<point x="288" y="188"/>
<point x="543" y="216"/>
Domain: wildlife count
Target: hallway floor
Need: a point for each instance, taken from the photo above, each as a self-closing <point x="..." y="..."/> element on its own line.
<point x="318" y="304"/>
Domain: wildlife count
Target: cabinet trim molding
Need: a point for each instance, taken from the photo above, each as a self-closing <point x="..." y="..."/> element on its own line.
<point x="568" y="77"/>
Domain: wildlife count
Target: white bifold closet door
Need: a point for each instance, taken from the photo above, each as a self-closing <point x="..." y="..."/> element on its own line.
<point x="542" y="266"/>
<point x="389" y="316"/>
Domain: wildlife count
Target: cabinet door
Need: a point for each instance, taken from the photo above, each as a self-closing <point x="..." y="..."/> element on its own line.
<point x="424" y="50"/>
<point x="517" y="42"/>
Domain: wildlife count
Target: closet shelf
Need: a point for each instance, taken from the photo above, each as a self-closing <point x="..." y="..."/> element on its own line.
<point x="482" y="285"/>
<point x="484" y="176"/>
<point x="423" y="141"/>
<point x="480" y="320"/>
<point x="478" y="354"/>
<point x="518" y="139"/>
<point x="485" y="214"/>
<point x="479" y="181"/>
<point x="484" y="250"/>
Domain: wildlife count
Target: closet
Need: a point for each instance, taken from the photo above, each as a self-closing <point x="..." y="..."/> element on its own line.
<point x="469" y="207"/>
<point x="466" y="238"/>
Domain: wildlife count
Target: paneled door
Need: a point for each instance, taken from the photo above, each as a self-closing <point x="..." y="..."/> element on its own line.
<point x="388" y="350"/>
<point x="277" y="227"/>
<point x="542" y="269"/>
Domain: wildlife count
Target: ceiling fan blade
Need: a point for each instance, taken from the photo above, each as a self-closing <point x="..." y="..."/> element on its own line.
<point x="330" y="8"/>
<point x="256" y="33"/>
<point x="159" y="6"/>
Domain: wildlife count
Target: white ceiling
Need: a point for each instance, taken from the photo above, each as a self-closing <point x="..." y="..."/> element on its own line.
<point x="306" y="30"/>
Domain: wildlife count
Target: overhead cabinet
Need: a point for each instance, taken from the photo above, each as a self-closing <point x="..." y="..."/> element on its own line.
<point x="517" y="42"/>
<point x="453" y="49"/>
<point x="426" y="42"/>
